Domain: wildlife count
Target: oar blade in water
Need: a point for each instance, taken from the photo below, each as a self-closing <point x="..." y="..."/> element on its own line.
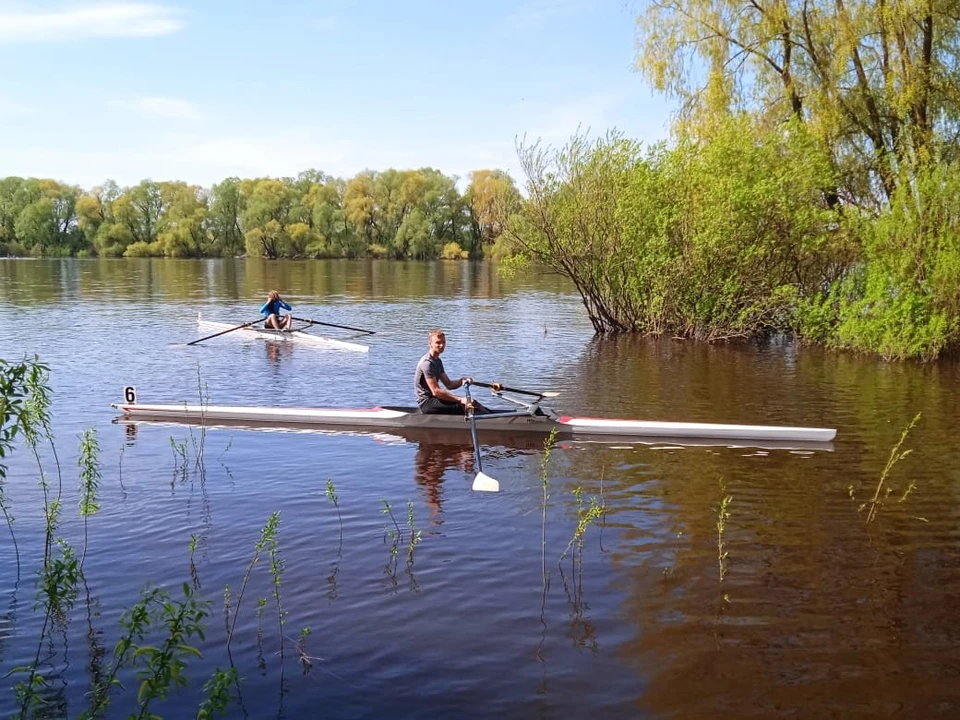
<point x="485" y="483"/>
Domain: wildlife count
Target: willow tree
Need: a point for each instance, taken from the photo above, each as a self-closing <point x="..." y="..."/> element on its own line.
<point x="227" y="204"/>
<point x="183" y="230"/>
<point x="491" y="196"/>
<point x="266" y="217"/>
<point x="573" y="222"/>
<point x="876" y="80"/>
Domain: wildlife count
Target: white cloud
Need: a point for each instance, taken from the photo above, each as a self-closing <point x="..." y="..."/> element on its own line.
<point x="162" y="108"/>
<point x="119" y="19"/>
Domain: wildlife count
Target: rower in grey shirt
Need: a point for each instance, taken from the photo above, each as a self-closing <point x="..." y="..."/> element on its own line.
<point x="431" y="397"/>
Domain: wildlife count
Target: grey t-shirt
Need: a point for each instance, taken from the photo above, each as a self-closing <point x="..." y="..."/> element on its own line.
<point x="428" y="367"/>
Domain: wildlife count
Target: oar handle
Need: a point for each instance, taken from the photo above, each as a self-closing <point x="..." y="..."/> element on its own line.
<point x="224" y="332"/>
<point x="497" y="387"/>
<point x="343" y="327"/>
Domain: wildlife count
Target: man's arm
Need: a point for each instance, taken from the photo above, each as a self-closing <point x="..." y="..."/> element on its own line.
<point x="439" y="392"/>
<point x="451" y="384"/>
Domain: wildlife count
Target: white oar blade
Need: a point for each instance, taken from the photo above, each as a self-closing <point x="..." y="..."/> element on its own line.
<point x="485" y="483"/>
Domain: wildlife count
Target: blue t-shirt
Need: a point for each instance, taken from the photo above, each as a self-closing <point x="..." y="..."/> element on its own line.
<point x="273" y="307"/>
<point x="428" y="367"/>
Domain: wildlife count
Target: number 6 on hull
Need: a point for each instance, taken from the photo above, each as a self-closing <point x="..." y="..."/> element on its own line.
<point x="130" y="394"/>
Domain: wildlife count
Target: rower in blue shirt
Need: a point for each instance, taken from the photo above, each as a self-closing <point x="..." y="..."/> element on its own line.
<point x="271" y="308"/>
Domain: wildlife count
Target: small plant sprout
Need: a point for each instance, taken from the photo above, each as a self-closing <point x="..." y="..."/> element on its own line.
<point x="874" y="504"/>
<point x="198" y="445"/>
<point x="415" y="535"/>
<point x="305" y="661"/>
<point x="217" y="693"/>
<point x="261" y="606"/>
<point x="226" y="608"/>
<point x="179" y="457"/>
<point x="723" y="514"/>
<point x="394" y="533"/>
<point x="267" y="536"/>
<point x="331" y="493"/>
<point x="193" y="567"/>
<point x="276" y="572"/>
<point x="90" y="479"/>
<point x="586" y="516"/>
<point x="545" y="485"/>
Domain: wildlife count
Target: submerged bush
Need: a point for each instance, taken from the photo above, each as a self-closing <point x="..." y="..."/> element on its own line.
<point x="706" y="240"/>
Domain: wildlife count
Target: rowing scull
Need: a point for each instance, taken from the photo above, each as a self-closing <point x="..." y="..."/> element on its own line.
<point x="542" y="421"/>
<point x="269" y="334"/>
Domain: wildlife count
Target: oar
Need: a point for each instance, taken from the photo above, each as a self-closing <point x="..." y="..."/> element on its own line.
<point x="224" y="332"/>
<point x="343" y="327"/>
<point x="482" y="481"/>
<point x="497" y="387"/>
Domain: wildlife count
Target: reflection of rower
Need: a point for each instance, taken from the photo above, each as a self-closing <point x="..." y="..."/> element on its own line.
<point x="431" y="462"/>
<point x="276" y="349"/>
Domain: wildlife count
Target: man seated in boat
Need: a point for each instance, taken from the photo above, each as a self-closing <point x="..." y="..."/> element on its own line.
<point x="430" y="373"/>
<point x="274" y="318"/>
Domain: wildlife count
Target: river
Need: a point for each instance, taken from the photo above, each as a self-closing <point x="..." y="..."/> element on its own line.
<point x="798" y="606"/>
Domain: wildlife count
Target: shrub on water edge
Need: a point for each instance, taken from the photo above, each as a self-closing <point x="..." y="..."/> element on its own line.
<point x="143" y="249"/>
<point x="453" y="251"/>
<point x="902" y="299"/>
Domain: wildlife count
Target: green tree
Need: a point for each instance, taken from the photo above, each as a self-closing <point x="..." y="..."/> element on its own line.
<point x="96" y="221"/>
<point x="227" y="204"/>
<point x="360" y="207"/>
<point x="139" y="210"/>
<point x="491" y="197"/>
<point x="875" y="81"/>
<point x="416" y="238"/>
<point x="48" y="225"/>
<point x="266" y="216"/>
<point x="182" y="230"/>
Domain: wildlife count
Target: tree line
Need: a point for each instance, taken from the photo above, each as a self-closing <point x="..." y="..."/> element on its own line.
<point x="417" y="214"/>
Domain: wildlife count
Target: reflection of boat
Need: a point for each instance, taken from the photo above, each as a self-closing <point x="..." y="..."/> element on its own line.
<point x="533" y="420"/>
<point x="488" y="436"/>
<point x="298" y="336"/>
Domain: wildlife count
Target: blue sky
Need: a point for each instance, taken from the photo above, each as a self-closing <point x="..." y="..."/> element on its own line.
<point x="203" y="90"/>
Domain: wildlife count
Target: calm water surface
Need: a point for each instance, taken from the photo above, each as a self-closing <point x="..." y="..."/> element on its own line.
<point x="819" y="614"/>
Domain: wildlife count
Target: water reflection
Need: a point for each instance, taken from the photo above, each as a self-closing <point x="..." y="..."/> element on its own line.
<point x="815" y="604"/>
<point x="431" y="462"/>
<point x="277" y="350"/>
<point x="49" y="280"/>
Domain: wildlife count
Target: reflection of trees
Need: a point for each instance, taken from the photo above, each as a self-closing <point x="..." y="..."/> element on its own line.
<point x="49" y="280"/>
<point x="818" y="602"/>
